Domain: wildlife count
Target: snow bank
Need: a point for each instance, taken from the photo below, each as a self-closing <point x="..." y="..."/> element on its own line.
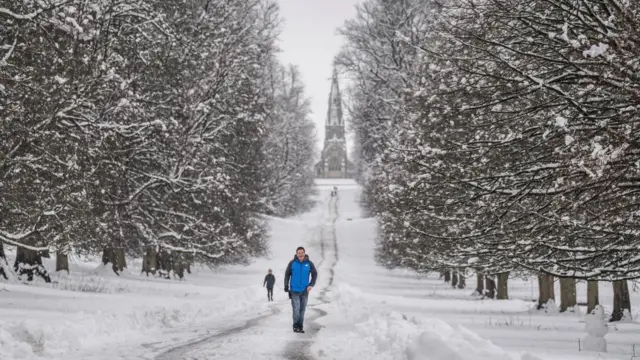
<point x="50" y="331"/>
<point x="384" y="334"/>
<point x="596" y="328"/>
<point x="439" y="341"/>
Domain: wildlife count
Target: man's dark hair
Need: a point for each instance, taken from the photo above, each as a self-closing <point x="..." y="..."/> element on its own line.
<point x="301" y="248"/>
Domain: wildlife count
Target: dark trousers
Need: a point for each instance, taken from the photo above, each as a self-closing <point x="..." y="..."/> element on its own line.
<point x="270" y="294"/>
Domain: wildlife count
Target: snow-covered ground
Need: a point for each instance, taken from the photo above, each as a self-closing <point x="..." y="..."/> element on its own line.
<point x="357" y="310"/>
<point x="94" y="314"/>
<point x="395" y="314"/>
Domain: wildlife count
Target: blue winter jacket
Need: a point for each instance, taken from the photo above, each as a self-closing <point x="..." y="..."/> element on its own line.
<point x="296" y="278"/>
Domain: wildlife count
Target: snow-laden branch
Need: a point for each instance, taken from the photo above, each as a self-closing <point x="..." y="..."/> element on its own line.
<point x="29" y="16"/>
<point x="134" y="195"/>
<point x="599" y="273"/>
<point x="15" y="239"/>
<point x="175" y="213"/>
<point x="192" y="251"/>
<point x="6" y="56"/>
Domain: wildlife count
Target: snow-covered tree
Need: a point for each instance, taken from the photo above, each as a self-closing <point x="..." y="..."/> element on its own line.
<point x="136" y="128"/>
<point x="500" y="135"/>
<point x="288" y="143"/>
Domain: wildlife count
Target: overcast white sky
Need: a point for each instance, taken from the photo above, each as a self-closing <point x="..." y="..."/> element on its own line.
<point x="309" y="40"/>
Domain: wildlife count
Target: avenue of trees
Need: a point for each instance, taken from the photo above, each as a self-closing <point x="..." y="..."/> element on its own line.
<point x="498" y="138"/>
<point x="146" y="128"/>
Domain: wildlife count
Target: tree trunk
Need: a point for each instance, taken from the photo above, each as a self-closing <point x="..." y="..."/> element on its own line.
<point x="29" y="262"/>
<point x="454" y="278"/>
<point x="503" y="291"/>
<point x="19" y="258"/>
<point x="491" y="287"/>
<point x="592" y="296"/>
<point x="621" y="300"/>
<point x="188" y="259"/>
<point x="479" y="283"/>
<point x="62" y="261"/>
<point x="164" y="265"/>
<point x="626" y="298"/>
<point x="447" y="276"/>
<point x="178" y="264"/>
<point x="3" y="263"/>
<point x="150" y="260"/>
<point x="545" y="290"/>
<point x="567" y="294"/>
<point x="462" y="283"/>
<point x="122" y="261"/>
<point x="109" y="256"/>
<point x="115" y="256"/>
<point x="552" y="288"/>
<point x="25" y="256"/>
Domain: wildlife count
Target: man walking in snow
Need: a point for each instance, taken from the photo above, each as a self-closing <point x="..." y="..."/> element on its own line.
<point x="269" y="281"/>
<point x="297" y="284"/>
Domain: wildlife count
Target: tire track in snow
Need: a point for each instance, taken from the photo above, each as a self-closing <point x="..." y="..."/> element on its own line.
<point x="179" y="352"/>
<point x="299" y="349"/>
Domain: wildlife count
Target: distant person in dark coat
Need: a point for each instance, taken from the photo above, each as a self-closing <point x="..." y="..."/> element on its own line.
<point x="269" y="281"/>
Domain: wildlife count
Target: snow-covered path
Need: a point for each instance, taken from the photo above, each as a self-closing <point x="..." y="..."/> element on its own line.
<point x="273" y="331"/>
<point x="358" y="310"/>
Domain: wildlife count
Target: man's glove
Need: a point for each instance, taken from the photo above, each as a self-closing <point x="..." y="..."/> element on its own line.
<point x="286" y="289"/>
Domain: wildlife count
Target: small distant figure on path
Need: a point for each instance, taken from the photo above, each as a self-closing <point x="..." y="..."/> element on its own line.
<point x="297" y="284"/>
<point x="269" y="281"/>
<point x="333" y="201"/>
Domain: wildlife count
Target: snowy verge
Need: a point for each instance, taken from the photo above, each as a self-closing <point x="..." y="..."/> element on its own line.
<point x="44" y="328"/>
<point x="357" y="328"/>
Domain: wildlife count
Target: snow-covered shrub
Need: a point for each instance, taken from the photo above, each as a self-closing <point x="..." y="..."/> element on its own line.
<point x="596" y="327"/>
<point x="90" y="283"/>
